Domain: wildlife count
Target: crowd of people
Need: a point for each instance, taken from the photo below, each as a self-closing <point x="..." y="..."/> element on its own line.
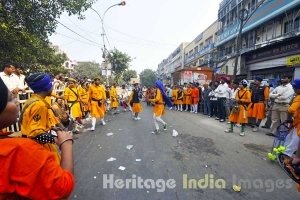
<point x="59" y="106"/>
<point x="253" y="102"/>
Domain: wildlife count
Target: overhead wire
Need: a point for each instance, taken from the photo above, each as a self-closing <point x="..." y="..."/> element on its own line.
<point x="77" y="33"/>
<point x="88" y="43"/>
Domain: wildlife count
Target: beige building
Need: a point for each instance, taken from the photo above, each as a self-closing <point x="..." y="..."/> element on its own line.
<point x="200" y="51"/>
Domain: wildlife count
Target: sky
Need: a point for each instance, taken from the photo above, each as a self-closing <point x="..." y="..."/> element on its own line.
<point x="148" y="31"/>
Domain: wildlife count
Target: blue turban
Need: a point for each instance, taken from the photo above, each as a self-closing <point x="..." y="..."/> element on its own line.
<point x="258" y="79"/>
<point x="39" y="82"/>
<point x="296" y="83"/>
<point x="161" y="87"/>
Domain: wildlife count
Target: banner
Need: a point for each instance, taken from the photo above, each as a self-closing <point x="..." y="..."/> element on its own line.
<point x="292" y="61"/>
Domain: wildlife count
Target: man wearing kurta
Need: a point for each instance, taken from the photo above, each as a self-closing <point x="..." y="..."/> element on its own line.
<point x="195" y="99"/>
<point x="113" y="97"/>
<point x="135" y="102"/>
<point x="259" y="100"/>
<point x="97" y="98"/>
<point x="174" y="96"/>
<point x="73" y="99"/>
<point x="179" y="99"/>
<point x="239" y="114"/>
<point x="188" y="97"/>
<point x="37" y="117"/>
<point x="159" y="107"/>
<point x="83" y="93"/>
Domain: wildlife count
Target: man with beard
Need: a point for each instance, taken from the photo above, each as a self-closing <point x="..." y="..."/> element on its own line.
<point x="282" y="96"/>
<point x="97" y="98"/>
<point x="259" y="101"/>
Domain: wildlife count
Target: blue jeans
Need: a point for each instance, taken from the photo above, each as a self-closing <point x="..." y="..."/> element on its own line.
<point x="206" y="107"/>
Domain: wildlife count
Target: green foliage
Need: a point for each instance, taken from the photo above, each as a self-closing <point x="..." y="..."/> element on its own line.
<point x="38" y="17"/>
<point x="90" y="70"/>
<point x="24" y="29"/>
<point x="148" y="77"/>
<point x="128" y="74"/>
<point x="120" y="62"/>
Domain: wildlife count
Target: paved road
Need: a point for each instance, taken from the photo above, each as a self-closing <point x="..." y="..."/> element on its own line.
<point x="202" y="148"/>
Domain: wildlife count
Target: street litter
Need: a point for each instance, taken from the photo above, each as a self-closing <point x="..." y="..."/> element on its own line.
<point x="122" y="168"/>
<point x="129" y="147"/>
<point x="236" y="188"/>
<point x="175" y="133"/>
<point x="111" y="159"/>
<point x="109" y="134"/>
<point x="138" y="160"/>
<point x="95" y="177"/>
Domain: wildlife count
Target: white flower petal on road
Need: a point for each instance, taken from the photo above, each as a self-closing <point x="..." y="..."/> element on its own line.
<point x="129" y="147"/>
<point x="111" y="159"/>
<point x="122" y="168"/>
<point x="138" y="160"/>
<point x="109" y="134"/>
<point x="174" y="133"/>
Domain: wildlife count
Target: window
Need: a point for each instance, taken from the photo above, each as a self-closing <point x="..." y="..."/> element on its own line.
<point x="196" y="49"/>
<point x="297" y="23"/>
<point x="287" y="27"/>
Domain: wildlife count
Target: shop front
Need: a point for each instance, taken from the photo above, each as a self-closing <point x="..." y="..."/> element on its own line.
<point x="199" y="75"/>
<point x="272" y="61"/>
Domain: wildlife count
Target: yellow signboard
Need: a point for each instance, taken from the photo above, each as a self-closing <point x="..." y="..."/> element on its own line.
<point x="292" y="61"/>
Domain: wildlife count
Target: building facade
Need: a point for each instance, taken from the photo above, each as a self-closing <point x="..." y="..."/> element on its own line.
<point x="174" y="62"/>
<point x="269" y="38"/>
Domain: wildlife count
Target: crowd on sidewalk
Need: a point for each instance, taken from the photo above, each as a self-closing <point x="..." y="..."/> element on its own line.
<point x="59" y="106"/>
<point x="219" y="99"/>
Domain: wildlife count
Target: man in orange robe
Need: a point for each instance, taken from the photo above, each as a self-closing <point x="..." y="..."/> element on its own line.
<point x="188" y="98"/>
<point x="28" y="170"/>
<point x="195" y="99"/>
<point x="259" y="100"/>
<point x="239" y="112"/>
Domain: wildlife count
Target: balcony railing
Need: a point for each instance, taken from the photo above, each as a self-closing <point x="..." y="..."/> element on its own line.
<point x="200" y="53"/>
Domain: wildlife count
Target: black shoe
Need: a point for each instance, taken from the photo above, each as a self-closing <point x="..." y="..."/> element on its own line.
<point x="267" y="127"/>
<point x="271" y="134"/>
<point x="165" y="127"/>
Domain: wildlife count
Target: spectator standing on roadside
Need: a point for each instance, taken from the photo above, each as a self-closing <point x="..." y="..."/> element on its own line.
<point x="282" y="96"/>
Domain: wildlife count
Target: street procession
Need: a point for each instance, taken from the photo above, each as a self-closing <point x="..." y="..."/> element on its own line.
<point x="137" y="100"/>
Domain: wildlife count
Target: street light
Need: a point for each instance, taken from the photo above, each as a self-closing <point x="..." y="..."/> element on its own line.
<point x="104" y="50"/>
<point x="244" y="16"/>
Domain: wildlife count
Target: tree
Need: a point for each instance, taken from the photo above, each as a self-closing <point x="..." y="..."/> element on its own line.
<point x="88" y="69"/>
<point x="128" y="74"/>
<point x="148" y="77"/>
<point x="25" y="27"/>
<point x="120" y="62"/>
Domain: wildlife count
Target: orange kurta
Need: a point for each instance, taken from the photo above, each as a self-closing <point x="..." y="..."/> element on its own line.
<point x="97" y="98"/>
<point x="244" y="98"/>
<point x="136" y="107"/>
<point x="258" y="110"/>
<point x="179" y="98"/>
<point x="294" y="110"/>
<point x="30" y="171"/>
<point x="174" y="96"/>
<point x="85" y="105"/>
<point x="188" y="96"/>
<point x="37" y="119"/>
<point x="159" y="106"/>
<point x="72" y="96"/>
<point x="113" y="97"/>
<point x="195" y="95"/>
